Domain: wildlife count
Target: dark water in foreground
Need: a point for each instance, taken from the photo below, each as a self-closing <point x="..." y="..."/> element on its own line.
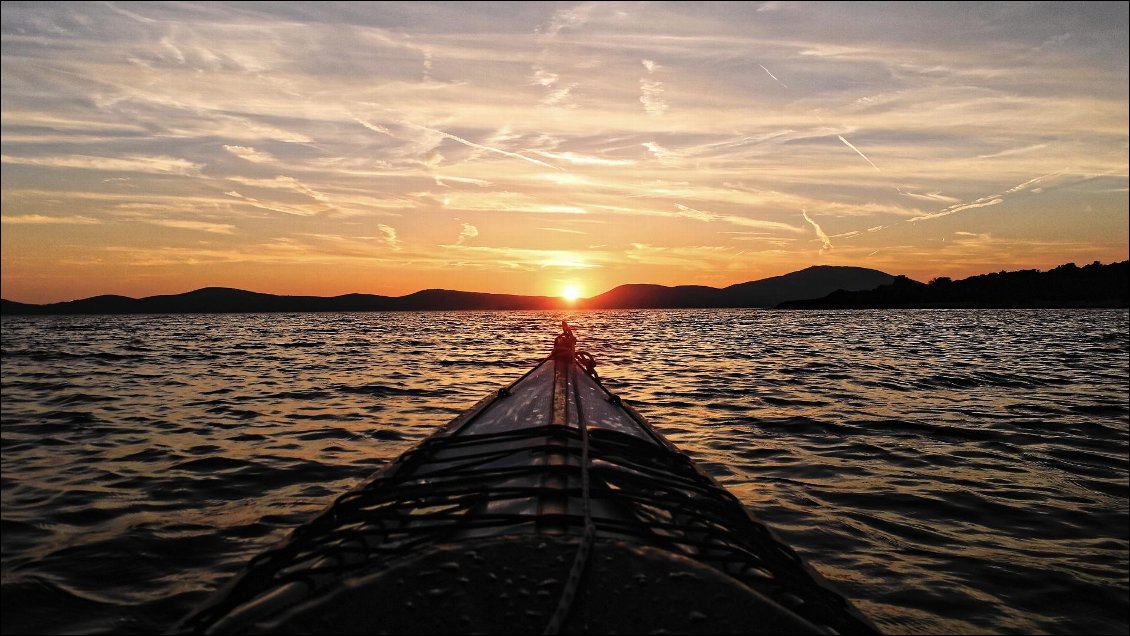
<point x="949" y="471"/>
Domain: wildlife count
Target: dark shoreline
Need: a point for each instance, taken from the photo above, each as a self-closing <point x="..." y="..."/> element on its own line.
<point x="1094" y="286"/>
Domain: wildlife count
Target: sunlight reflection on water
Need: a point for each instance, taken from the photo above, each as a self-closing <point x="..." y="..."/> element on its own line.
<point x="950" y="471"/>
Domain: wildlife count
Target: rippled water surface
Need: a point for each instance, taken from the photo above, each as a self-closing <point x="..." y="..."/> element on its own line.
<point x="949" y="471"/>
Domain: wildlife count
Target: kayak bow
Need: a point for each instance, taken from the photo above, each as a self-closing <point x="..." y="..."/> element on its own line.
<point x="548" y="506"/>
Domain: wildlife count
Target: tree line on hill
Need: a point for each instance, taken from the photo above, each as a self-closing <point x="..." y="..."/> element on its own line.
<point x="1094" y="285"/>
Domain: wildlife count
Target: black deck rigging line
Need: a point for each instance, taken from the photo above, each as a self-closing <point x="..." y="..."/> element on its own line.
<point x="381" y="521"/>
<point x="580" y="560"/>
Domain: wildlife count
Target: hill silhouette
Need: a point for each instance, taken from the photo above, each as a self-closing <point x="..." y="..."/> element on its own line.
<point x="1094" y="285"/>
<point x="811" y="282"/>
<point x="807" y="283"/>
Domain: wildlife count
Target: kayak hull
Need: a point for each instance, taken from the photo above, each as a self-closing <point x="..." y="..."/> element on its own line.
<point x="548" y="506"/>
<point x="511" y="585"/>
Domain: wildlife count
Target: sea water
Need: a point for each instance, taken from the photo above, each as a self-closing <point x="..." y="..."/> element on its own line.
<point x="947" y="470"/>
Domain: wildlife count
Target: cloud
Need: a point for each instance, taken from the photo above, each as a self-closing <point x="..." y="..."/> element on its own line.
<point x="558" y="95"/>
<point x="129" y="14"/>
<point x="388" y="233"/>
<point x="651" y="91"/>
<point x="461" y="140"/>
<point x="700" y="215"/>
<point x="547" y="79"/>
<point x="824" y="240"/>
<point x="663" y="155"/>
<point x="570" y="18"/>
<point x="692" y="257"/>
<point x="1013" y="151"/>
<point x="156" y="164"/>
<point x="584" y="160"/>
<point x="441" y="180"/>
<point x="986" y="201"/>
<point x="468" y="232"/>
<point x="562" y="230"/>
<point x="931" y="196"/>
<point x="281" y="182"/>
<point x="374" y="127"/>
<point x="543" y="77"/>
<point x="518" y="258"/>
<point x="201" y="226"/>
<point x="274" y="206"/>
<point x="1034" y="181"/>
<point x="980" y="203"/>
<point x="250" y="154"/>
<point x="39" y="219"/>
<point x="493" y="201"/>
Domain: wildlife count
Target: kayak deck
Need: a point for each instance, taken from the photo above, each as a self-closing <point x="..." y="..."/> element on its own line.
<point x="476" y="530"/>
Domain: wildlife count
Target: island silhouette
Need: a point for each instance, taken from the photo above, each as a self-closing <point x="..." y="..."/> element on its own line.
<point x="1094" y="285"/>
<point x="817" y="287"/>
<point x="807" y="283"/>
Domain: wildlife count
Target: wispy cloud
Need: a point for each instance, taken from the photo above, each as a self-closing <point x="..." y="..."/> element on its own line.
<point x="442" y="180"/>
<point x="584" y="160"/>
<point x="986" y="201"/>
<point x="663" y="155"/>
<point x="39" y="219"/>
<point x="281" y="182"/>
<point x="561" y="229"/>
<point x="555" y="94"/>
<point x="569" y="18"/>
<point x="651" y="91"/>
<point x="1014" y="151"/>
<point x="149" y="164"/>
<point x="930" y="196"/>
<point x="510" y="202"/>
<point x="200" y="226"/>
<point x="470" y="144"/>
<point x="388" y="234"/>
<point x="468" y="232"/>
<point x="519" y="258"/>
<point x="826" y="243"/>
<point x="733" y="219"/>
<point x="980" y="203"/>
<point x="250" y="154"/>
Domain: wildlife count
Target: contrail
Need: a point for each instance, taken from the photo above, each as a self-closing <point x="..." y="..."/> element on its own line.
<point x="848" y="144"/>
<point x="819" y="232"/>
<point x="979" y="203"/>
<point x="386" y="131"/>
<point x="775" y="77"/>
<point x="472" y="144"/>
<point x="1031" y="181"/>
<point x="373" y="127"/>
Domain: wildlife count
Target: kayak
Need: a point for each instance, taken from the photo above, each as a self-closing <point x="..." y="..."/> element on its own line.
<point x="551" y="506"/>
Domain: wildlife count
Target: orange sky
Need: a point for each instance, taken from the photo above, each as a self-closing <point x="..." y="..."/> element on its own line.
<point x="301" y="148"/>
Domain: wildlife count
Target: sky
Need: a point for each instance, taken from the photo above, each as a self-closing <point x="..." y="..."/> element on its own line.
<point x="328" y="148"/>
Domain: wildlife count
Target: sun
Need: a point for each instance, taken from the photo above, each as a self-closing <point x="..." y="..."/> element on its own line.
<point x="571" y="292"/>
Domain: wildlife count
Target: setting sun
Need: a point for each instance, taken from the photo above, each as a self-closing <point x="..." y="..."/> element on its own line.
<point x="571" y="292"/>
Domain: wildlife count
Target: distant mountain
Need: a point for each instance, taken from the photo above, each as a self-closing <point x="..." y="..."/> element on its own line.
<point x="225" y="300"/>
<point x="447" y="299"/>
<point x="808" y="283"/>
<point x="654" y="296"/>
<point x="1094" y="285"/>
<point x="812" y="282"/>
